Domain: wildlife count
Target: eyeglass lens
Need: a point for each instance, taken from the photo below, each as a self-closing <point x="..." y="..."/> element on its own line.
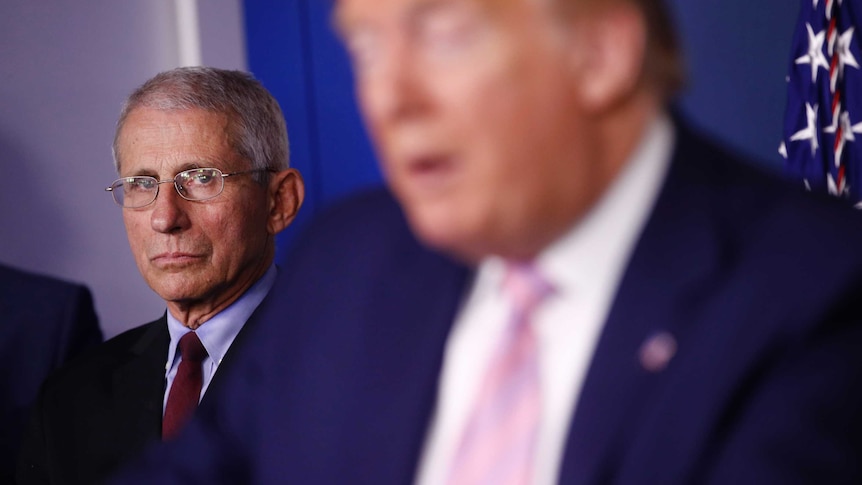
<point x="194" y="184"/>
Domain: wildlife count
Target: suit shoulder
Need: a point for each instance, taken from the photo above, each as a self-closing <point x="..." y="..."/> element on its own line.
<point x="369" y="208"/>
<point x="364" y="237"/>
<point x="746" y="194"/>
<point x="101" y="361"/>
<point x="14" y="281"/>
<point x="763" y="233"/>
<point x="130" y="338"/>
<point x="363" y="220"/>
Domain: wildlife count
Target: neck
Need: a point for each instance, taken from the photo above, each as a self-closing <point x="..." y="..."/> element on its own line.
<point x="194" y="313"/>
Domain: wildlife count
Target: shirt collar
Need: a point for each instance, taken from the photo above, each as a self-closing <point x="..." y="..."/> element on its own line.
<point x="219" y="332"/>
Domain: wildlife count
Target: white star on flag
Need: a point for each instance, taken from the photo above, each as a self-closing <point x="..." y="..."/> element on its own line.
<point x="845" y="56"/>
<point x="815" y="56"/>
<point x="810" y="131"/>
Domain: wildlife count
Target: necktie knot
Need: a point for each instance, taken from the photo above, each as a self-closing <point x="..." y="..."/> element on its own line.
<point x="525" y="287"/>
<point x="191" y="348"/>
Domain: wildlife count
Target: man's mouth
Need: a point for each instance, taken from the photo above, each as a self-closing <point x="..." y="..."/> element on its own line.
<point x="174" y="258"/>
<point x="430" y="173"/>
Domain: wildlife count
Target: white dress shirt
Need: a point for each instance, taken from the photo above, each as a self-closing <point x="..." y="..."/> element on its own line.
<point x="584" y="266"/>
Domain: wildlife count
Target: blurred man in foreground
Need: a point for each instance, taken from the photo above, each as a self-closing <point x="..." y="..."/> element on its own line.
<point x="595" y="294"/>
<point x="204" y="189"/>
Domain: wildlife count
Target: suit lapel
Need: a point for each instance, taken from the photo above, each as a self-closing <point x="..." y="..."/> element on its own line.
<point x="676" y="256"/>
<point x="234" y="352"/>
<point x="139" y="384"/>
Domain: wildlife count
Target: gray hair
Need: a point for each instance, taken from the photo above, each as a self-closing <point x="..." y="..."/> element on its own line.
<point x="257" y="128"/>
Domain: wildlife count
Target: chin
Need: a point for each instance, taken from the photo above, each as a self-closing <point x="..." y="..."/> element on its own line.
<point x="446" y="238"/>
<point x="172" y="295"/>
<point x="175" y="290"/>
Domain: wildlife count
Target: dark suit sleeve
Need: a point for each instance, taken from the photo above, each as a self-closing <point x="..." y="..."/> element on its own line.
<point x="46" y="322"/>
<point x="77" y="333"/>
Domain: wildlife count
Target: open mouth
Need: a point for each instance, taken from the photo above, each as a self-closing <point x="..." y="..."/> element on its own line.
<point x="431" y="173"/>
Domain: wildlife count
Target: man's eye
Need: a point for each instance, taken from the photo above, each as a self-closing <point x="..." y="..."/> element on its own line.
<point x="448" y="29"/>
<point x="139" y="184"/>
<point x="203" y="177"/>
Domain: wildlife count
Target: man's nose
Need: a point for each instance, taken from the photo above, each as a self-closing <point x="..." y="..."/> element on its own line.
<point x="169" y="214"/>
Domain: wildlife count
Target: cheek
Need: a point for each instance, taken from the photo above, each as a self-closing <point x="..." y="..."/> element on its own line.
<point x="136" y="232"/>
<point x="372" y="100"/>
<point x="486" y="111"/>
<point x="495" y="146"/>
<point x="236" y="236"/>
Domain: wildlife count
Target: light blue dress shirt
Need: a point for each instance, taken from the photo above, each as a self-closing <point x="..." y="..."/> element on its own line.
<point x="217" y="334"/>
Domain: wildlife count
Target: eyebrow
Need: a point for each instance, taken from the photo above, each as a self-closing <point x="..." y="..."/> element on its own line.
<point x="429" y="6"/>
<point x="143" y="172"/>
<point x="200" y="163"/>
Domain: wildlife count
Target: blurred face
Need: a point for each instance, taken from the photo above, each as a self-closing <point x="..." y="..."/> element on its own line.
<point x="473" y="111"/>
<point x="197" y="255"/>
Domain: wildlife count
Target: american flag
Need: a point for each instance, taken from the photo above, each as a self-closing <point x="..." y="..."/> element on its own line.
<point x="824" y="100"/>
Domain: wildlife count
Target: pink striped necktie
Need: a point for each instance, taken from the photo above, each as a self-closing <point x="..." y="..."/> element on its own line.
<point x="499" y="440"/>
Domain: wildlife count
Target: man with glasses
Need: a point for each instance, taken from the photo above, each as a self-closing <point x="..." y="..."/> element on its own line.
<point x="204" y="188"/>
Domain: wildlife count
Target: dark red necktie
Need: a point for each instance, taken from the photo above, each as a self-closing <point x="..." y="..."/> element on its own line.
<point x="186" y="388"/>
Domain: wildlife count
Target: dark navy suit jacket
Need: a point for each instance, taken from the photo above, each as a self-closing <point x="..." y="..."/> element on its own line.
<point x="103" y="409"/>
<point x="43" y="323"/>
<point x="99" y="411"/>
<point x="759" y="284"/>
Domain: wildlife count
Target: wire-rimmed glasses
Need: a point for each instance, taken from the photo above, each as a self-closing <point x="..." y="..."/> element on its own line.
<point x="194" y="184"/>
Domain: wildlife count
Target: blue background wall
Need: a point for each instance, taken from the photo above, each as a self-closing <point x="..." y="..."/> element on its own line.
<point x="737" y="52"/>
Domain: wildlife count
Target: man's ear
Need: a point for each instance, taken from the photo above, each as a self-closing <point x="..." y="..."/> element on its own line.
<point x="608" y="51"/>
<point x="286" y="193"/>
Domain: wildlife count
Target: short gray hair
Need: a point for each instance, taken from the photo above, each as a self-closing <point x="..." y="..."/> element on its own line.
<point x="257" y="128"/>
